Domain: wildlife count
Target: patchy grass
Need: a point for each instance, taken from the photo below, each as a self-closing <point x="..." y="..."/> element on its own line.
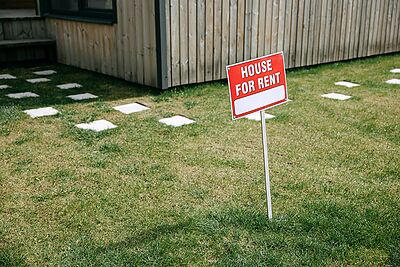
<point x="148" y="194"/>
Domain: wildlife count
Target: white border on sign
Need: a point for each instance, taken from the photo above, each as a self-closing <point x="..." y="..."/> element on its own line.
<point x="261" y="109"/>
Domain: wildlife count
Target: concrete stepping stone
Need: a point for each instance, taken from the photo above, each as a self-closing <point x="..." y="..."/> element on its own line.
<point x="97" y="126"/>
<point x="84" y="96"/>
<point x="177" y="121"/>
<point x="4" y="86"/>
<point x="336" y="96"/>
<point x="395" y="71"/>
<point x="38" y="80"/>
<point x="7" y="77"/>
<point x="257" y="116"/>
<point x="69" y="86"/>
<point x="347" y="84"/>
<point x="41" y="112"/>
<point x="393" y="81"/>
<point x="22" y="95"/>
<point x="45" y="72"/>
<point x="131" y="108"/>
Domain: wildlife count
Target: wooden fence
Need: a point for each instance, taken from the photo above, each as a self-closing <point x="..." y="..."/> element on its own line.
<point x="203" y="36"/>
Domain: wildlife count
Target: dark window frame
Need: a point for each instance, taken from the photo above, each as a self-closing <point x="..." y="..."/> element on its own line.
<point x="83" y="13"/>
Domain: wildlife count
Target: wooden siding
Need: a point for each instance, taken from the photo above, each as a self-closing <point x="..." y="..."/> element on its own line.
<point x="126" y="50"/>
<point x="19" y="29"/>
<point x="206" y="35"/>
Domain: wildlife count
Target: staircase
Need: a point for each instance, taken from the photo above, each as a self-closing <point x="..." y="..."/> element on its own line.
<point x="25" y="39"/>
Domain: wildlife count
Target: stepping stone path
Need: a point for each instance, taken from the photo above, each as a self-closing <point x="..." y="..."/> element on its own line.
<point x="395" y="71"/>
<point x="4" y="86"/>
<point x="393" y="81"/>
<point x="97" y="126"/>
<point x="336" y="96"/>
<point x="84" y="96"/>
<point x="131" y="108"/>
<point x="347" y="84"/>
<point x="22" y="95"/>
<point x="7" y="77"/>
<point x="38" y="80"/>
<point x="45" y="72"/>
<point x="177" y="121"/>
<point x="69" y="86"/>
<point x="41" y="112"/>
<point x="257" y="116"/>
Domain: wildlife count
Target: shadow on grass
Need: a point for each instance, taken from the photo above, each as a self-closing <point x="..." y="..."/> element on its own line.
<point x="324" y="233"/>
<point x="105" y="87"/>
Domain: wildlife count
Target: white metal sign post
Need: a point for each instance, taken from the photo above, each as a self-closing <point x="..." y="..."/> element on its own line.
<point x="255" y="86"/>
<point x="266" y="167"/>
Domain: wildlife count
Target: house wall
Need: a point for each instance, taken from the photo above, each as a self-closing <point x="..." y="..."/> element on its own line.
<point x="126" y="49"/>
<point x="203" y="36"/>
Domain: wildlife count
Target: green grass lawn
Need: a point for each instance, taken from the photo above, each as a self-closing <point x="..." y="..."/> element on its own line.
<point x="148" y="194"/>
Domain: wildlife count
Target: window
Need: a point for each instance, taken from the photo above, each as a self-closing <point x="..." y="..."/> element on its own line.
<point x="99" y="4"/>
<point x="87" y="10"/>
<point x="66" y="5"/>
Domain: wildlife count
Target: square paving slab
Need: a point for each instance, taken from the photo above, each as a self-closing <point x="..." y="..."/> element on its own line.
<point x="4" y="86"/>
<point x="69" y="86"/>
<point x="347" y="84"/>
<point x="393" y="81"/>
<point x="177" y="121"/>
<point x="45" y="72"/>
<point x="7" y="77"/>
<point x="22" y="95"/>
<point x="257" y="116"/>
<point x="38" y="80"/>
<point x="336" y="96"/>
<point x="97" y="126"/>
<point x="84" y="96"/>
<point x="41" y="112"/>
<point x="395" y="71"/>
<point x="131" y="108"/>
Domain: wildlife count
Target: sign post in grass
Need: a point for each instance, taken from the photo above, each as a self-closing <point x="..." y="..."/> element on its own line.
<point x="254" y="86"/>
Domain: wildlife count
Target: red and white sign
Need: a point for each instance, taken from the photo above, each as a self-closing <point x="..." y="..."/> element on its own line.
<point x="257" y="84"/>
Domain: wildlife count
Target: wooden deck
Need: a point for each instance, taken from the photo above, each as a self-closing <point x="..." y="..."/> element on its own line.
<point x="17" y="13"/>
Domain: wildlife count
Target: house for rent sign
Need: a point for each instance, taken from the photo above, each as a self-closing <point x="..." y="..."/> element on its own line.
<point x="257" y="84"/>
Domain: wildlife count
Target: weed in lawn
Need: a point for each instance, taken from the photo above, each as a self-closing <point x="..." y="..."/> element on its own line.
<point x="27" y="136"/>
<point x="110" y="148"/>
<point x="9" y="114"/>
<point x="62" y="175"/>
<point x="21" y="166"/>
<point x="131" y="169"/>
<point x="190" y="104"/>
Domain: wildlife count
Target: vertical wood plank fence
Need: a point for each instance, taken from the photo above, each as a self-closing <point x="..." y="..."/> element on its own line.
<point x="203" y="36"/>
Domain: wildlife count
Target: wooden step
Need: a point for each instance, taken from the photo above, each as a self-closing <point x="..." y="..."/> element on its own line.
<point x="27" y="50"/>
<point x="26" y="42"/>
